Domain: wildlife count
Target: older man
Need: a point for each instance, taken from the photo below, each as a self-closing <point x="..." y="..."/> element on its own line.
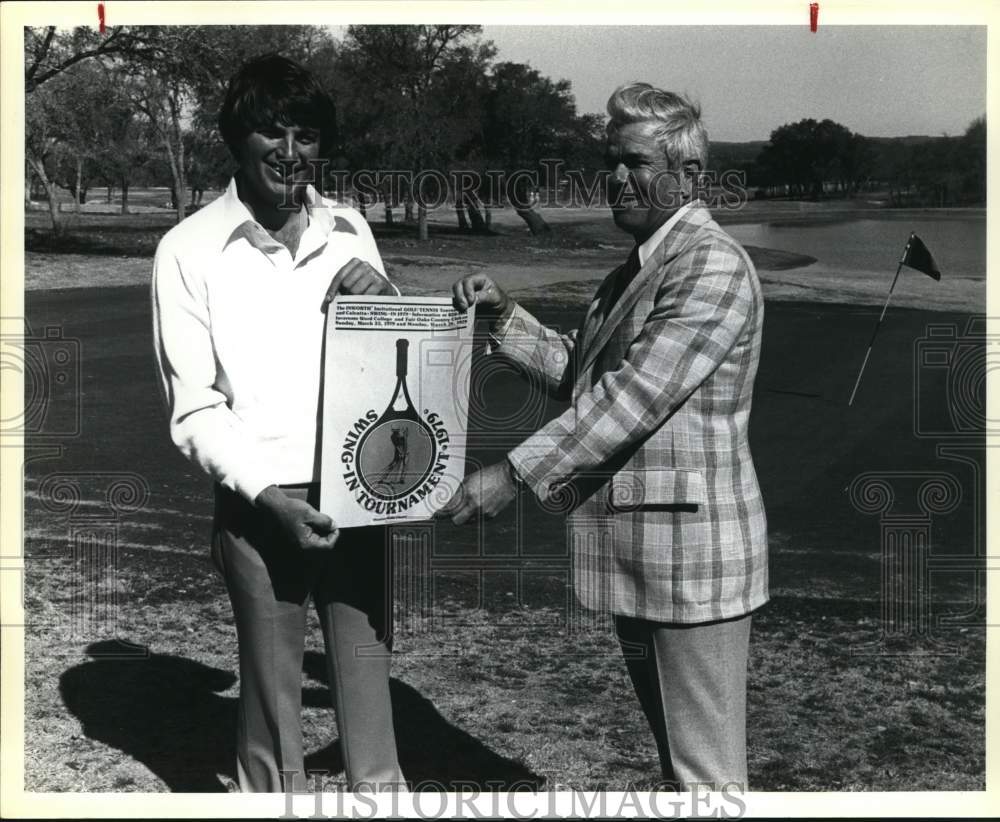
<point x="668" y="528"/>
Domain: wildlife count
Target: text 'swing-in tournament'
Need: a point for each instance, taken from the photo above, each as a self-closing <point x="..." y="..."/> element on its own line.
<point x="395" y="408"/>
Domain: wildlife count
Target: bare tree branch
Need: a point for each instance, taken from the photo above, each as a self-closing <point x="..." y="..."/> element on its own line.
<point x="117" y="41"/>
<point x="40" y="53"/>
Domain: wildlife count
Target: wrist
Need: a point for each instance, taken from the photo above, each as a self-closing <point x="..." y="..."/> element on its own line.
<point x="501" y="313"/>
<point x="516" y="480"/>
<point x="497" y="326"/>
<point x="270" y="498"/>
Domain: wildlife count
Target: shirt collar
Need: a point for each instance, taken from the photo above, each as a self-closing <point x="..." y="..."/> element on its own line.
<point x="239" y="222"/>
<point x="648" y="247"/>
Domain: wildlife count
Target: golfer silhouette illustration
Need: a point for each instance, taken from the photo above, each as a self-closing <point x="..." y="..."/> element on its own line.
<point x="400" y="456"/>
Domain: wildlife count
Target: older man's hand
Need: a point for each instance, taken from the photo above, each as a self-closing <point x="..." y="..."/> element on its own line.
<point x="486" y="492"/>
<point x="491" y="300"/>
<point x="357" y="277"/>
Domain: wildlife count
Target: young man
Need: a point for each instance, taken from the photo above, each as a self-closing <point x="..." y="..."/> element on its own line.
<point x="239" y="292"/>
<point x="670" y="532"/>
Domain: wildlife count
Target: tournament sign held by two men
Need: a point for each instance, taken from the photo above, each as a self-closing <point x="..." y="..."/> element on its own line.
<point x="394" y="443"/>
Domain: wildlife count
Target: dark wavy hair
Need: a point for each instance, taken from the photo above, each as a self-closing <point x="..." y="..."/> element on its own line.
<point x="272" y="89"/>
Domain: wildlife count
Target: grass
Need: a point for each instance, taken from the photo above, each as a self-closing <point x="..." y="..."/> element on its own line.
<point x="486" y="695"/>
<point x="493" y="686"/>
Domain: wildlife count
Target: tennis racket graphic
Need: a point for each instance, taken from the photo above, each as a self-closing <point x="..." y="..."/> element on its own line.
<point x="397" y="453"/>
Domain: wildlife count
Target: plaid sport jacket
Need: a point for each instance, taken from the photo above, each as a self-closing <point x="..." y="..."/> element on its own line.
<point x="651" y="460"/>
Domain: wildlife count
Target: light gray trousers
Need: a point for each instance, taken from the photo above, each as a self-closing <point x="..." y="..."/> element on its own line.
<point x="270" y="584"/>
<point x="692" y="683"/>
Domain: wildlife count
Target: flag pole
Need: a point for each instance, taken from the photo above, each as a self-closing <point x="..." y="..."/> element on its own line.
<point x="878" y="324"/>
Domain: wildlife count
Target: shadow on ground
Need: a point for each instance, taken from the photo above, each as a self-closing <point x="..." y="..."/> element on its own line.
<point x="433" y="753"/>
<point x="167" y="713"/>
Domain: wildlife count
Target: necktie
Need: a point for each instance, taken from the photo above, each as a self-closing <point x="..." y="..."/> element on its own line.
<point x="625" y="276"/>
<point x="596" y="320"/>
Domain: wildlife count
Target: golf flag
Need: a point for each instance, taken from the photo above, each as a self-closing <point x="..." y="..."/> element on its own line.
<point x="917" y="255"/>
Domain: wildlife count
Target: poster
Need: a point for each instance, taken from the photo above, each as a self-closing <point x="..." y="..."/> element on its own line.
<point x="395" y="408"/>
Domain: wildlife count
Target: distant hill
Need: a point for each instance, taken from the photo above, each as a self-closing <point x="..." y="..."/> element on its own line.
<point x="910" y="139"/>
<point x="733" y="155"/>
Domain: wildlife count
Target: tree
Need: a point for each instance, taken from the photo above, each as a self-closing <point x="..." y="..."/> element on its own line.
<point x="126" y="140"/>
<point x="170" y="81"/>
<point x="971" y="158"/>
<point x="211" y="54"/>
<point x="408" y="98"/>
<point x="66" y="102"/>
<point x="789" y="156"/>
<point x="858" y="163"/>
<point x="160" y="95"/>
<point x="808" y="155"/>
<point x="48" y="52"/>
<point x="186" y="78"/>
<point x="898" y="172"/>
<point x="528" y="118"/>
<point x="61" y="109"/>
<point x="209" y="163"/>
<point x="82" y="93"/>
<point x="42" y="133"/>
<point x="64" y="128"/>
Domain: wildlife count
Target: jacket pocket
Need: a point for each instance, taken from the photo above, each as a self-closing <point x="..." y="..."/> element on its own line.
<point x="661" y="488"/>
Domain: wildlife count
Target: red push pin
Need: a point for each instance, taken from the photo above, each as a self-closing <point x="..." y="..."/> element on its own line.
<point x="100" y="17"/>
<point x="813" y="17"/>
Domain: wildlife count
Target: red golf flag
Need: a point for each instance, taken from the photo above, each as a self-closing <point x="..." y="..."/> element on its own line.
<point x="916" y="255"/>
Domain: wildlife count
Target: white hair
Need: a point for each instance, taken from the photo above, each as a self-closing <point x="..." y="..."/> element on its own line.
<point x="679" y="131"/>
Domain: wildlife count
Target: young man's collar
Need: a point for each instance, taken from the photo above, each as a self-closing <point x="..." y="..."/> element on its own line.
<point x="236" y="215"/>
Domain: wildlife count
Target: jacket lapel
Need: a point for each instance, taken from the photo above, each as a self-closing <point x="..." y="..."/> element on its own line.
<point x="673" y="244"/>
<point x="594" y="313"/>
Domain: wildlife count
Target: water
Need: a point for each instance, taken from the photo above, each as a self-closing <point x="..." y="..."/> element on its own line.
<point x="864" y="247"/>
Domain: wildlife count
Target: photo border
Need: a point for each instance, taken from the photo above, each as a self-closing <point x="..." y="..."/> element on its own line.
<point x="14" y="802"/>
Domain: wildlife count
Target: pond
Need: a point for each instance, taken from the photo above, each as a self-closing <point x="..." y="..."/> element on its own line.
<point x="872" y="247"/>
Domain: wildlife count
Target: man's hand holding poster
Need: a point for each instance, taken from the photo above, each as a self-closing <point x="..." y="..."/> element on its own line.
<point x="395" y="408"/>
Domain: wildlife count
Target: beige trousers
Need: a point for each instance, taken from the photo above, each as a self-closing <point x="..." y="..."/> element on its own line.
<point x="270" y="584"/>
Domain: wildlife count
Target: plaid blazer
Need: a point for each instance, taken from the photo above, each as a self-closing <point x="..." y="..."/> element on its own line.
<point x="651" y="461"/>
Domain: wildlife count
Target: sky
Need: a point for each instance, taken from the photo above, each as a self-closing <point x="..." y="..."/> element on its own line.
<point x="879" y="81"/>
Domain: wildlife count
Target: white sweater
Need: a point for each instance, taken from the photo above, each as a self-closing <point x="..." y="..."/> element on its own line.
<point x="238" y="328"/>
